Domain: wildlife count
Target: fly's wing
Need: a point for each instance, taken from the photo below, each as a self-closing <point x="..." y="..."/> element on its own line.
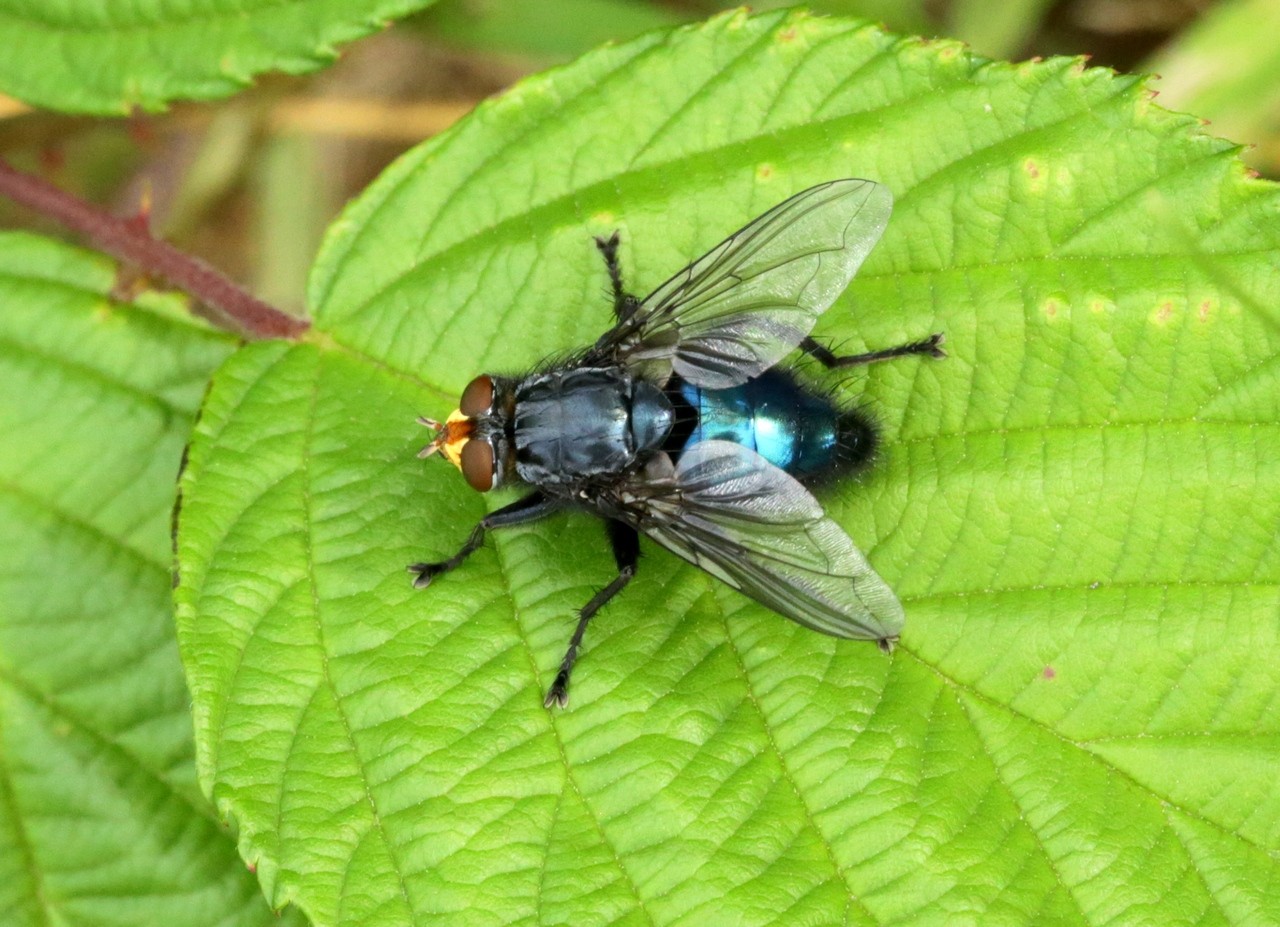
<point x="737" y="310"/>
<point x="748" y="523"/>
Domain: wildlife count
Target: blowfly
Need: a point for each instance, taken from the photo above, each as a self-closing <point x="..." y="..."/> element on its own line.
<point x="679" y="424"/>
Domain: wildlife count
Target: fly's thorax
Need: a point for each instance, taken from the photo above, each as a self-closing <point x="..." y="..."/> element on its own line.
<point x="585" y="423"/>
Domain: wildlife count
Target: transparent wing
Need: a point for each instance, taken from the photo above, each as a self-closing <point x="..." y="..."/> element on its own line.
<point x="748" y="523"/>
<point x="737" y="310"/>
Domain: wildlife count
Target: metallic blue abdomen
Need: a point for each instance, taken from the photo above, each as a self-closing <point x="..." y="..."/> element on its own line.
<point x="790" y="427"/>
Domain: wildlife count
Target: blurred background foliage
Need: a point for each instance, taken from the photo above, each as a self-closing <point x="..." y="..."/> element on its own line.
<point x="251" y="183"/>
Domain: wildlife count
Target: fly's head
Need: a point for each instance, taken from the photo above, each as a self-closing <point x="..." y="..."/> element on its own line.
<point x="476" y="437"/>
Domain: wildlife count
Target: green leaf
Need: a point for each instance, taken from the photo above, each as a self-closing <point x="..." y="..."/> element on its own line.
<point x="88" y="57"/>
<point x="1077" y="507"/>
<point x="101" y="821"/>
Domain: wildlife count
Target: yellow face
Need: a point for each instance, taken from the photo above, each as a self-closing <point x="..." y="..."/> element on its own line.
<point x="456" y="433"/>
<point x="456" y="440"/>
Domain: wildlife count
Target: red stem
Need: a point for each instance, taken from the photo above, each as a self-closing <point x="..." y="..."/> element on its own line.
<point x="130" y="241"/>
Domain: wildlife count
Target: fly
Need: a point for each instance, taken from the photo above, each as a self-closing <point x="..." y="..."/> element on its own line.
<point x="679" y="424"/>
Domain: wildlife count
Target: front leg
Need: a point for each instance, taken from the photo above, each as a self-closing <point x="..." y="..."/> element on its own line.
<point x="532" y="507"/>
<point x="626" y="552"/>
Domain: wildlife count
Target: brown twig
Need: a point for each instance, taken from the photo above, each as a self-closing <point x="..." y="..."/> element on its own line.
<point x="130" y="240"/>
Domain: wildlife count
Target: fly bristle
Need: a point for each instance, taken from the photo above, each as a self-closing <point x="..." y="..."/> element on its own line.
<point x="560" y="360"/>
<point x="857" y="444"/>
<point x="857" y="440"/>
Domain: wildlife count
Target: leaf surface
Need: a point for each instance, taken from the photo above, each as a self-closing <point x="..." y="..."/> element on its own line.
<point x="101" y="820"/>
<point x="108" y="58"/>
<point x="1077" y="508"/>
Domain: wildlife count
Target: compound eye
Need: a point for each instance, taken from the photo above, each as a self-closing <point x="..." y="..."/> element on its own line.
<point x="477" y="398"/>
<point x="477" y="464"/>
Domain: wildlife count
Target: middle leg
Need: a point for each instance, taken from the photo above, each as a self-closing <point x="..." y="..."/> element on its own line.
<point x="624" y="304"/>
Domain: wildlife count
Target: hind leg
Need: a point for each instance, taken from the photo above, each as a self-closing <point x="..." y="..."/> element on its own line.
<point x="931" y="346"/>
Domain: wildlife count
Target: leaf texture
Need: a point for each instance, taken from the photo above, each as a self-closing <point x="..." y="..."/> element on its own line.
<point x="101" y="820"/>
<point x="109" y="58"/>
<point x="1077" y="508"/>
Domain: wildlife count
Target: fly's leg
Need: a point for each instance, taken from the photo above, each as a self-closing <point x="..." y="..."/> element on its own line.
<point x="626" y="551"/>
<point x="530" y="508"/>
<point x="624" y="304"/>
<point x="931" y="346"/>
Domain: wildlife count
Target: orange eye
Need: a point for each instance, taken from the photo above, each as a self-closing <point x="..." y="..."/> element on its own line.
<point x="477" y="398"/>
<point x="477" y="463"/>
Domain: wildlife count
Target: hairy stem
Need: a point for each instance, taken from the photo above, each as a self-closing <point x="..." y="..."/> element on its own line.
<point x="130" y="240"/>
